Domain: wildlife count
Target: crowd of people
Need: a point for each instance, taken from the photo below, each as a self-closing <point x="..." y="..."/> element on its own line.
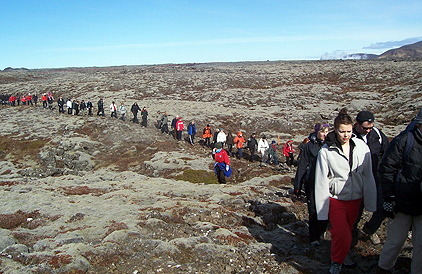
<point x="342" y="172"/>
<point x="353" y="168"/>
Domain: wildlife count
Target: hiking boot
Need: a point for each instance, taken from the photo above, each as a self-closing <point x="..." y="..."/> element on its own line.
<point x="335" y="268"/>
<point x="348" y="262"/>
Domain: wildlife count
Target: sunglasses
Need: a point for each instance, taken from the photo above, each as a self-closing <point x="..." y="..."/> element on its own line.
<point x="367" y="128"/>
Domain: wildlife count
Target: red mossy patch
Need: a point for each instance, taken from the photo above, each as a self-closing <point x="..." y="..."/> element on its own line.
<point x="17" y="219"/>
<point x="83" y="190"/>
<point x="8" y="183"/>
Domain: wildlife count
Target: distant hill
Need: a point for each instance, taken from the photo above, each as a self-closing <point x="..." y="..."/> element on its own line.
<point x="407" y="51"/>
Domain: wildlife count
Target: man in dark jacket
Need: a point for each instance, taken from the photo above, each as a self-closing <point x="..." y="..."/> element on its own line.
<point x="61" y="103"/>
<point x="252" y="143"/>
<point x="400" y="175"/>
<point x="378" y="143"/>
<point x="89" y="107"/>
<point x="134" y="109"/>
<point x="173" y="125"/>
<point x="100" y="108"/>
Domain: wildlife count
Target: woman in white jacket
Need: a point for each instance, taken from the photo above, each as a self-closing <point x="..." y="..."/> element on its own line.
<point x="263" y="148"/>
<point x="343" y="177"/>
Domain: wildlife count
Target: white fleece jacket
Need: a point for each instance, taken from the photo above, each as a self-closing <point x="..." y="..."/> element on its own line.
<point x="334" y="178"/>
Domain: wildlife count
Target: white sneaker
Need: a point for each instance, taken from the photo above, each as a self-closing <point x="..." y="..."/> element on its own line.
<point x="375" y="240"/>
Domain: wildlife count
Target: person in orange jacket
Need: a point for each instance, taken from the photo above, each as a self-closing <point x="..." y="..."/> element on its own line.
<point x="239" y="141"/>
<point x="288" y="152"/>
<point x="207" y="135"/>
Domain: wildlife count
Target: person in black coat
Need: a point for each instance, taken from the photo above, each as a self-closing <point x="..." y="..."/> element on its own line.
<point x="144" y="114"/>
<point x="305" y="176"/>
<point x="401" y="182"/>
<point x="61" y="103"/>
<point x="100" y="105"/>
<point x="134" y="109"/>
<point x="252" y="143"/>
<point x="378" y="143"/>
<point x="89" y="107"/>
<point x="173" y="125"/>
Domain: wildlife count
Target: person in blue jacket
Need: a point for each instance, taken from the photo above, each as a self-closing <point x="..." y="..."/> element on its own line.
<point x="191" y="131"/>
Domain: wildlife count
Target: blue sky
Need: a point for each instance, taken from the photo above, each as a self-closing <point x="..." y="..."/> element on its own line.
<point x="76" y="33"/>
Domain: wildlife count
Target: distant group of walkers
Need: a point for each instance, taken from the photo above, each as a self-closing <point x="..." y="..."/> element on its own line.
<point x="354" y="167"/>
<point x="27" y="99"/>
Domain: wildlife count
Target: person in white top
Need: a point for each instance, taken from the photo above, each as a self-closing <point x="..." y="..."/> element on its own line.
<point x="221" y="137"/>
<point x="113" y="109"/>
<point x="263" y="148"/>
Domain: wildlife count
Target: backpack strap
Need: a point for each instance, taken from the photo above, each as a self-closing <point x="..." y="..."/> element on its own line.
<point x="409" y="145"/>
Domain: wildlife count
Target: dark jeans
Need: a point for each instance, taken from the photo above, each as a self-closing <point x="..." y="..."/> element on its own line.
<point x="252" y="154"/>
<point x="289" y="159"/>
<point x="220" y="176"/>
<point x="229" y="148"/>
<point x="240" y="153"/>
<point x="179" y="135"/>
<point x="207" y="142"/>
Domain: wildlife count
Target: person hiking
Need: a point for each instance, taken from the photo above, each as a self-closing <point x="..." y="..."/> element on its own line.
<point x="288" y="152"/>
<point x="343" y="179"/>
<point x="400" y="175"/>
<point x="305" y="178"/>
<point x="263" y="148"/>
<point x="239" y="141"/>
<point x="207" y="135"/>
<point x="191" y="132"/>
<point x="272" y="154"/>
<point x="164" y="122"/>
<point x="252" y="143"/>
<point x="222" y="165"/>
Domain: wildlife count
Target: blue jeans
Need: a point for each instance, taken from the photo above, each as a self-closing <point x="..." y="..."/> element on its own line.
<point x="240" y="153"/>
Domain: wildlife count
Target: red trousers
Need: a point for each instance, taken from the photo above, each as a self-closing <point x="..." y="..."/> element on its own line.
<point x="342" y="216"/>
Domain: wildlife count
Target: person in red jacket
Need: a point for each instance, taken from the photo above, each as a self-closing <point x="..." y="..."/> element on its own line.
<point x="44" y="100"/>
<point x="12" y="100"/>
<point x="23" y="100"/>
<point x="179" y="128"/>
<point x="29" y="99"/>
<point x="222" y="164"/>
<point x="288" y="152"/>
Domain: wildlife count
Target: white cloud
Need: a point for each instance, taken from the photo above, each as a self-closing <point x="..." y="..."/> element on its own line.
<point x="393" y="44"/>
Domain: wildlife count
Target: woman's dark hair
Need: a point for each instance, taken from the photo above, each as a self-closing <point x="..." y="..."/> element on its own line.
<point x="342" y="119"/>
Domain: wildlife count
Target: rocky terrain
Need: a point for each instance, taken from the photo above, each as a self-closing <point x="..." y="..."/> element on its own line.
<point x="84" y="194"/>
